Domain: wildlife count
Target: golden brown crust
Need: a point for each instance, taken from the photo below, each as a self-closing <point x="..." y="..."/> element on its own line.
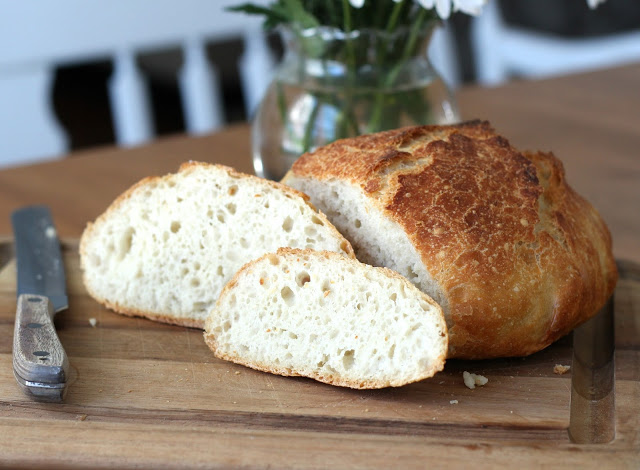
<point x="521" y="257"/>
<point x="161" y="318"/>
<point x="331" y="379"/>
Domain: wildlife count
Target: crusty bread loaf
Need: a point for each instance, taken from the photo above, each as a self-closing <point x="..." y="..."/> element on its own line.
<point x="324" y="316"/>
<point x="165" y="248"/>
<point x="497" y="237"/>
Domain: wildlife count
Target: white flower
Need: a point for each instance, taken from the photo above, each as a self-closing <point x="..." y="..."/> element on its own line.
<point x="594" y="3"/>
<point x="356" y="3"/>
<point x="444" y="7"/>
<point x="470" y="7"/>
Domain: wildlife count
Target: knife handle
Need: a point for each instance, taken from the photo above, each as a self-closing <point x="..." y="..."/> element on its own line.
<point x="40" y="363"/>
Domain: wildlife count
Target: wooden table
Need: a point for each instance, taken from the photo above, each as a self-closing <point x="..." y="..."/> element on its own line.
<point x="590" y="121"/>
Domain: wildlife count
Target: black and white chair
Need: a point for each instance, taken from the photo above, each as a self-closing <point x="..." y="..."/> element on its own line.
<point x="35" y="37"/>
<point x="502" y="51"/>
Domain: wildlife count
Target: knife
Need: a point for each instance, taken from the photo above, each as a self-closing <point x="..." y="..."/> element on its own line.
<point x="40" y="364"/>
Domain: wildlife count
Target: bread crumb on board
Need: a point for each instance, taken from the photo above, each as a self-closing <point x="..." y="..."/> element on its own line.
<point x="471" y="380"/>
<point x="560" y="369"/>
<point x="453" y="402"/>
<point x="93" y="322"/>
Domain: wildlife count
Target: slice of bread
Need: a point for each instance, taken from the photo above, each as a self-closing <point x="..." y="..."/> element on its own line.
<point x="513" y="255"/>
<point x="324" y="316"/>
<point x="165" y="248"/>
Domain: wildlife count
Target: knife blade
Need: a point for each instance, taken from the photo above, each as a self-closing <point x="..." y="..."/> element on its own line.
<point x="40" y="363"/>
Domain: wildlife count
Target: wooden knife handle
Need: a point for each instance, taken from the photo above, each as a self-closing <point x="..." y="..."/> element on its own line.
<point x="40" y="363"/>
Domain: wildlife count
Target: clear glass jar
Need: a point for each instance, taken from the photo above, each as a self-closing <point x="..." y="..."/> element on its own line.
<point x="332" y="85"/>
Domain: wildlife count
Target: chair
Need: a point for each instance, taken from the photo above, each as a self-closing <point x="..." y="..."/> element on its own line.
<point x="501" y="50"/>
<point x="35" y="37"/>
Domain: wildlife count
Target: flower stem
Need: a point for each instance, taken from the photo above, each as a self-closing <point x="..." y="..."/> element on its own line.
<point x="395" y="14"/>
<point x="350" y="62"/>
<point x="282" y="105"/>
<point x="346" y="10"/>
<point x="388" y="79"/>
<point x="309" y="126"/>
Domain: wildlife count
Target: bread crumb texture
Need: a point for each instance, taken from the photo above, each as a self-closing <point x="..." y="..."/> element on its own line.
<point x="165" y="248"/>
<point x="560" y="369"/>
<point x="330" y="318"/>
<point x="515" y="257"/>
<point x="473" y="380"/>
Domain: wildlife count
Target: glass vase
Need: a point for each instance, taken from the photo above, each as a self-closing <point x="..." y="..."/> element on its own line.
<point x="331" y="85"/>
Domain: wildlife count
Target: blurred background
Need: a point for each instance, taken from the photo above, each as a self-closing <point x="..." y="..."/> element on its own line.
<point x="512" y="40"/>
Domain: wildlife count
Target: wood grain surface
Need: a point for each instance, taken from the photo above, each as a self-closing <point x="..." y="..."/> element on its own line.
<point x="149" y="395"/>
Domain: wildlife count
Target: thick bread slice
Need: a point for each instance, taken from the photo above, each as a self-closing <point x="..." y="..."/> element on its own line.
<point x="497" y="237"/>
<point x="165" y="248"/>
<point x="330" y="318"/>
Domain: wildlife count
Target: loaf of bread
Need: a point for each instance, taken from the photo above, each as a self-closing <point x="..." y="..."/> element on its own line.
<point x="165" y="248"/>
<point x="515" y="257"/>
<point x="324" y="316"/>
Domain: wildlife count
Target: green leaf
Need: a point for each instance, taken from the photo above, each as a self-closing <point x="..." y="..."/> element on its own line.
<point x="299" y="15"/>
<point x="273" y="17"/>
<point x="281" y="11"/>
<point x="250" y="9"/>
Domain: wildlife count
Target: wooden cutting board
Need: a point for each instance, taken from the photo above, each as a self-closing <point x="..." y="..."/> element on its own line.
<point x="144" y="394"/>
